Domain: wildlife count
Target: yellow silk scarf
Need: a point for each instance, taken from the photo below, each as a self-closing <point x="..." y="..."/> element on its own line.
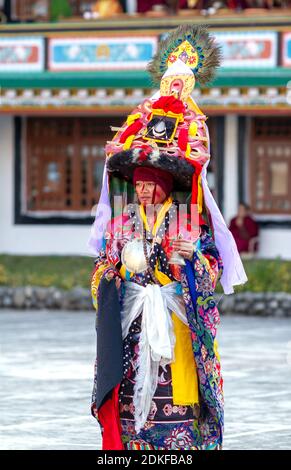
<point x="160" y="215"/>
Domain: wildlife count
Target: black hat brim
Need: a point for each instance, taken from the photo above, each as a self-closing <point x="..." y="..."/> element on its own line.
<point x="122" y="165"/>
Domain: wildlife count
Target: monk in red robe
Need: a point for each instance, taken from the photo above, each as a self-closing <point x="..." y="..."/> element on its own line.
<point x="245" y="230"/>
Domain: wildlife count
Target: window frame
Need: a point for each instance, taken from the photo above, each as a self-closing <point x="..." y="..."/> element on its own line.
<point x="22" y="216"/>
<point x="267" y="216"/>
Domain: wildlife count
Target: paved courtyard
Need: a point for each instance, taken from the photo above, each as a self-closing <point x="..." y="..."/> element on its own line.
<point x="46" y="374"/>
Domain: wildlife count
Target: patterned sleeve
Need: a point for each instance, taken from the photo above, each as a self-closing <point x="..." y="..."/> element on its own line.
<point x="104" y="265"/>
<point x="199" y="285"/>
<point x="101" y="265"/>
<point x="209" y="256"/>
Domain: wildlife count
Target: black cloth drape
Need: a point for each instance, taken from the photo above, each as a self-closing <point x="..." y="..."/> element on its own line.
<point x="109" y="341"/>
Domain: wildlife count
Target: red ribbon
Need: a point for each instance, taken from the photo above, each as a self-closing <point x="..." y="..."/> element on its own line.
<point x="183" y="139"/>
<point x="131" y="130"/>
<point x="169" y="103"/>
<point x="196" y="173"/>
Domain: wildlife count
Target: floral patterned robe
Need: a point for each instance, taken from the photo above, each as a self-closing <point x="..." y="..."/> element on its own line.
<point x="170" y="426"/>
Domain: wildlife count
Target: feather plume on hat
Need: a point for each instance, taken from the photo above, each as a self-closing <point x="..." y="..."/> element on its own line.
<point x="208" y="52"/>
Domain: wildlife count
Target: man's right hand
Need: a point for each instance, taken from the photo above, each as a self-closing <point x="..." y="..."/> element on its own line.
<point x="109" y="276"/>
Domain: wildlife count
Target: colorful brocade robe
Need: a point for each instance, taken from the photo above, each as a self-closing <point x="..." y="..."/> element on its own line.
<point x="198" y="279"/>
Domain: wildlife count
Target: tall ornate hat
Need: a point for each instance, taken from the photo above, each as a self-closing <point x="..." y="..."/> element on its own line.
<point x="169" y="131"/>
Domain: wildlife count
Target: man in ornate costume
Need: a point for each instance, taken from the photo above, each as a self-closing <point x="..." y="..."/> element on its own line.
<point x="158" y="382"/>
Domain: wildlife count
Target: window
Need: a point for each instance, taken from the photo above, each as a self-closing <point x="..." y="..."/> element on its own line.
<point x="60" y="166"/>
<point x="24" y="10"/>
<point x="270" y="165"/>
<point x="79" y="7"/>
<point x="64" y="163"/>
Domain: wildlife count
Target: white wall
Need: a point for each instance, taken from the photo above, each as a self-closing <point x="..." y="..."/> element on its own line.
<point x="30" y="239"/>
<point x="72" y="239"/>
<point x="275" y="242"/>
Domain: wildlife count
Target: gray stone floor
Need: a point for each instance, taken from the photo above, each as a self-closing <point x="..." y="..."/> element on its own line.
<point x="46" y="373"/>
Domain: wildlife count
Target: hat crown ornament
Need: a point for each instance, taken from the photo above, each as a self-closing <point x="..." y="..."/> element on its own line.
<point x="167" y="130"/>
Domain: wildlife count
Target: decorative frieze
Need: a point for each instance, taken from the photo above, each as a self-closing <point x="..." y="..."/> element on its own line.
<point x="62" y="99"/>
<point x="286" y="49"/>
<point x="247" y="50"/>
<point x="101" y="53"/>
<point x="251" y="49"/>
<point x="21" y="54"/>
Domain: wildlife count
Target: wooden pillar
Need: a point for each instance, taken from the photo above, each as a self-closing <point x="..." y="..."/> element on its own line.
<point x="230" y="171"/>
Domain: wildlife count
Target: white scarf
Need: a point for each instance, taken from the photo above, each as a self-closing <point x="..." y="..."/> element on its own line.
<point x="157" y="339"/>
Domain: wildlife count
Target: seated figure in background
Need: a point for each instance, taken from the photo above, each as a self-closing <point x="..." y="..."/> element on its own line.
<point x="245" y="230"/>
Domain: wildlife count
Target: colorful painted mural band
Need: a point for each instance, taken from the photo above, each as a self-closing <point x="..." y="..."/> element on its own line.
<point x="253" y="49"/>
<point x="21" y="54"/>
<point x="239" y="49"/>
<point x="242" y="49"/>
<point x="286" y="50"/>
<point x="101" y="53"/>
